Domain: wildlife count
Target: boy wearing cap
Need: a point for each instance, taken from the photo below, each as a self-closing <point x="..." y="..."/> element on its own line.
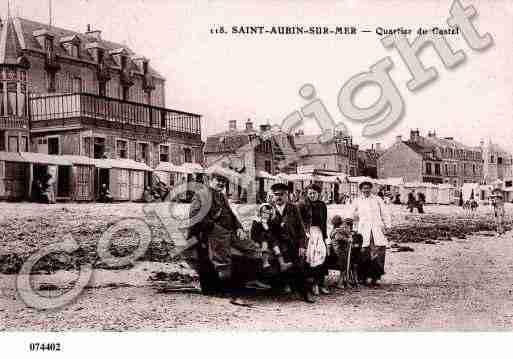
<point x="288" y="218"/>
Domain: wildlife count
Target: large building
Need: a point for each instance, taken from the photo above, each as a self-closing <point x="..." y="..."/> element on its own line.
<point x="64" y="92"/>
<point x="432" y="159"/>
<point x="498" y="163"/>
<point x="339" y="155"/>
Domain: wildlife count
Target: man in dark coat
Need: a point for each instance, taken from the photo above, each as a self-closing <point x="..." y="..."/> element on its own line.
<point x="225" y="252"/>
<point x="289" y="219"/>
<point x="412" y="201"/>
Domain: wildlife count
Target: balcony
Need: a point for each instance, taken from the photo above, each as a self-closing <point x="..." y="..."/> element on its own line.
<point x="99" y="111"/>
<point x="13" y="123"/>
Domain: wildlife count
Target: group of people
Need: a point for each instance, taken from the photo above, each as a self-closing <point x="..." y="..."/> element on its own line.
<point x="416" y="201"/>
<point x="288" y="247"/>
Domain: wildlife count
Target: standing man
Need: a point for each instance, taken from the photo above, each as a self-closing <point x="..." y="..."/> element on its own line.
<point x="225" y="253"/>
<point x="373" y="217"/>
<point x="412" y="202"/>
<point x="289" y="219"/>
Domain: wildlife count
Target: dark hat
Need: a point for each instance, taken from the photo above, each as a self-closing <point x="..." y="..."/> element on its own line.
<point x="279" y="187"/>
<point x="364" y="183"/>
<point x="315" y="187"/>
<point x="348" y="221"/>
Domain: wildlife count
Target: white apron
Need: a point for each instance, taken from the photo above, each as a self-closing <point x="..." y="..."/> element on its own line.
<point x="316" y="248"/>
<point x="372" y="216"/>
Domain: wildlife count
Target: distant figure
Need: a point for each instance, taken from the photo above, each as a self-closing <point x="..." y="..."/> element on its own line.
<point x="498" y="210"/>
<point x="412" y="202"/>
<point x="421" y="199"/>
<point x="397" y="199"/>
<point x="105" y="195"/>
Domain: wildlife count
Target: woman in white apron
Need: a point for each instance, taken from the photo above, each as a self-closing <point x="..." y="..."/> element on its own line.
<point x="373" y="217"/>
<point x="314" y="213"/>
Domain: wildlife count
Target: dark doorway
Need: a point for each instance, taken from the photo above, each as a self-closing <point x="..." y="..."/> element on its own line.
<point x="64" y="181"/>
<point x="53" y="146"/>
<point x="102" y="178"/>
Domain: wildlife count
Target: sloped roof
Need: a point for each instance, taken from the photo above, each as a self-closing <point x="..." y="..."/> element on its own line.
<point x="426" y="151"/>
<point x="228" y="141"/>
<point x="25" y="29"/>
<point x="10" y="47"/>
<point x="313" y="149"/>
<point x="122" y="163"/>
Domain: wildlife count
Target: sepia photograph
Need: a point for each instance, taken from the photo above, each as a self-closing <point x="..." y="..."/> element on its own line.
<point x="332" y="166"/>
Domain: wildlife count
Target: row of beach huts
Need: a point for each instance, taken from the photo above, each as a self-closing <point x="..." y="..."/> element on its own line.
<point x="79" y="178"/>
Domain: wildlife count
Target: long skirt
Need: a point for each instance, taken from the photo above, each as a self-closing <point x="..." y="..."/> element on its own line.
<point x="372" y="263"/>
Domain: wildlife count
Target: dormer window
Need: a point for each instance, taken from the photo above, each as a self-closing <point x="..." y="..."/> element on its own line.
<point x="71" y="44"/>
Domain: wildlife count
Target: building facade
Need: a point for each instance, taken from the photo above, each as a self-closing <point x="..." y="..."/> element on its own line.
<point x="497" y="163"/>
<point x="339" y="155"/>
<point x="432" y="159"/>
<point x="79" y="94"/>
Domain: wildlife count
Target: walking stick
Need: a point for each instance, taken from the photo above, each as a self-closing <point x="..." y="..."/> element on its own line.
<point x="348" y="264"/>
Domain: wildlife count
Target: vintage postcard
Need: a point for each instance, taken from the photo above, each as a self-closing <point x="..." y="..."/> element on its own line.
<point x="284" y="166"/>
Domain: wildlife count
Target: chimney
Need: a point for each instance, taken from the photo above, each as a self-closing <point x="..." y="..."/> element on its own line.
<point x="398" y="138"/>
<point x="95" y="34"/>
<point x="482" y="143"/>
<point x="249" y="125"/>
<point x="378" y="146"/>
<point x="232" y="125"/>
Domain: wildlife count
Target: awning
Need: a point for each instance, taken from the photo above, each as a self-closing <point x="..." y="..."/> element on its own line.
<point x="79" y="160"/>
<point x="187" y="167"/>
<point x="264" y="174"/>
<point x="122" y="163"/>
<point x="11" y="157"/>
<point x="45" y="159"/>
<point x="391" y="181"/>
<point x="360" y="179"/>
<point x="168" y="167"/>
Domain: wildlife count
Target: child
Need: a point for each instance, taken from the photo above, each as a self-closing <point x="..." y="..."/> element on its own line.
<point x="343" y="241"/>
<point x="261" y="233"/>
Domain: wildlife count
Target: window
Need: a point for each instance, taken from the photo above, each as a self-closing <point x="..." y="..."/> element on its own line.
<point x="77" y="84"/>
<point x="499" y="160"/>
<point x="53" y="146"/>
<point x="122" y="148"/>
<point x="102" y="88"/>
<point x="492" y="159"/>
<point x="125" y="94"/>
<point x="24" y="144"/>
<point x="147" y="97"/>
<point x="428" y="168"/>
<point x="99" y="147"/>
<point x="474" y="169"/>
<point x="164" y="153"/>
<point x="187" y="154"/>
<point x="508" y="183"/>
<point x="454" y="170"/>
<point x="86" y="143"/>
<point x="446" y="169"/>
<point x="142" y="152"/>
<point x="437" y="169"/>
<point x="74" y="50"/>
<point x="12" y="142"/>
<point x="267" y="165"/>
<point x="50" y="81"/>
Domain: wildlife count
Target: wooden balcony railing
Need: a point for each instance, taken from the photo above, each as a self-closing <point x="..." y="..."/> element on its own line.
<point x="7" y="123"/>
<point x="72" y="105"/>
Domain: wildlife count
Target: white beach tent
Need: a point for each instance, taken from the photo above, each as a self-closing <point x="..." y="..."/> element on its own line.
<point x="445" y="193"/>
<point x="468" y="188"/>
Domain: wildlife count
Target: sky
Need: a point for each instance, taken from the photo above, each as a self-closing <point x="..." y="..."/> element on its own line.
<point x="224" y="77"/>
